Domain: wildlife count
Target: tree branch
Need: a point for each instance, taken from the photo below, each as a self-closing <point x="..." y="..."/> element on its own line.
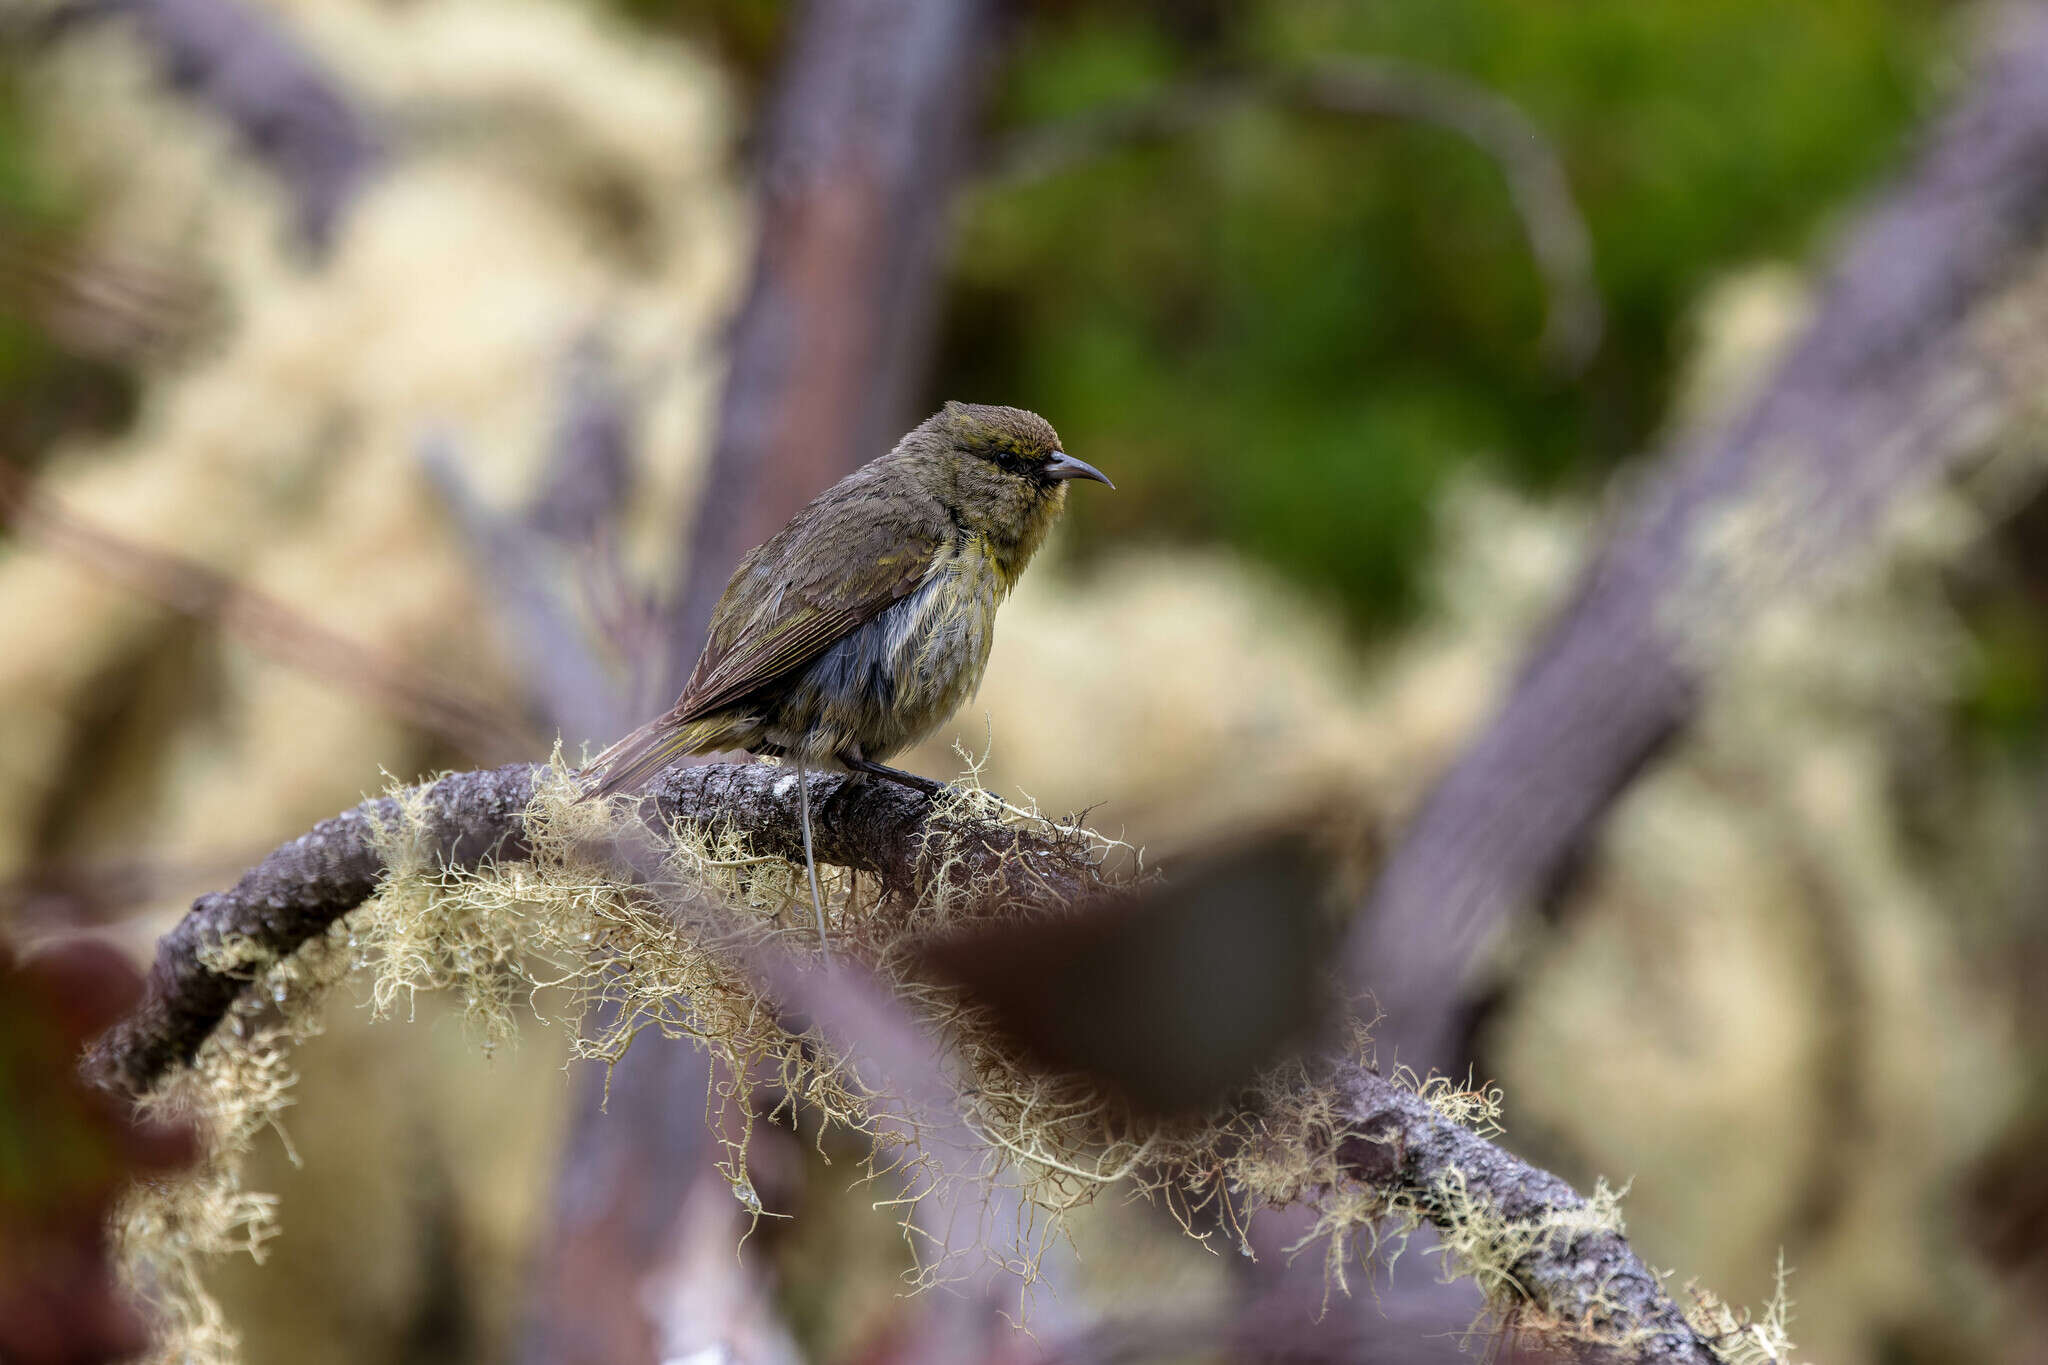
<point x="589" y="475"/>
<point x="1586" y="1279"/>
<point x="305" y="885"/>
<point x="564" y="677"/>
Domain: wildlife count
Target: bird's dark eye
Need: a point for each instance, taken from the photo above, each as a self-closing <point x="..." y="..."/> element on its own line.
<point x="1009" y="461"/>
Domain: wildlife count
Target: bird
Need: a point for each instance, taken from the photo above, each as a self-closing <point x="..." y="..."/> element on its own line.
<point x="862" y="625"/>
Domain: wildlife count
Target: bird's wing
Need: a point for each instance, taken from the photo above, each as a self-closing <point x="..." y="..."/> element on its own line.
<point x="837" y="566"/>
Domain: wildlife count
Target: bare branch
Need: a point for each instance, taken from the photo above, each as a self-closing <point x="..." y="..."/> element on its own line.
<point x="1370" y="88"/>
<point x="1892" y="386"/>
<point x="590" y="463"/>
<point x="561" y="672"/>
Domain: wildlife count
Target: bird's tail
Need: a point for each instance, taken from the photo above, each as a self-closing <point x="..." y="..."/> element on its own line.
<point x="628" y="764"/>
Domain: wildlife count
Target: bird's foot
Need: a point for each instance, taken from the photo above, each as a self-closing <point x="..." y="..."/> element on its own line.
<point x="869" y="768"/>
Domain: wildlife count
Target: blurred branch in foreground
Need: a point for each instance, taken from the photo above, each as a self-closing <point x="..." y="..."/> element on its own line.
<point x="857" y="1014"/>
<point x="1551" y="1250"/>
<point x="863" y="146"/>
<point x="618" y="1279"/>
<point x="289" y="110"/>
<point x="1368" y="88"/>
<point x="1908" y="369"/>
<point x="472" y="724"/>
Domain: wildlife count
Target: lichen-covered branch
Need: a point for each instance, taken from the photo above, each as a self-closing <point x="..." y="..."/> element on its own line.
<point x="1397" y="1152"/>
<point x="289" y="898"/>
<point x="305" y="885"/>
<point x="1567" y="1254"/>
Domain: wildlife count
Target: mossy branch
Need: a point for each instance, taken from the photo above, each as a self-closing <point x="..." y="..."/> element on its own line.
<point x="304" y="886"/>
<point x="1564" y="1252"/>
<point x="1535" y="1243"/>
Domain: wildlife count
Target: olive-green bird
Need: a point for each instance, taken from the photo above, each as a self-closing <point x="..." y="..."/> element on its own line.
<point x="859" y="627"/>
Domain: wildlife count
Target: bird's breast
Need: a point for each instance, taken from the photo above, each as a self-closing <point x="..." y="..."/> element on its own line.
<point x="895" y="679"/>
<point x="938" y="647"/>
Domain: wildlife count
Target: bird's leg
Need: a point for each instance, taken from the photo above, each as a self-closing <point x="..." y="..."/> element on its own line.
<point x="803" y="801"/>
<point x="911" y="780"/>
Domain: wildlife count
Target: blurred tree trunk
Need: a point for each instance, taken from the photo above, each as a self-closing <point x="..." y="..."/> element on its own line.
<point x="1896" y="382"/>
<point x="863" y="146"/>
<point x="1908" y="368"/>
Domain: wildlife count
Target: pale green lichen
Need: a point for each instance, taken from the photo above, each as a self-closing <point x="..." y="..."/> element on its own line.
<point x="170" y="1226"/>
<point x="1736" y="1337"/>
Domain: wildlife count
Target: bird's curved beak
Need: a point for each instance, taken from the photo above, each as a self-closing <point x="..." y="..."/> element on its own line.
<point x="1065" y="466"/>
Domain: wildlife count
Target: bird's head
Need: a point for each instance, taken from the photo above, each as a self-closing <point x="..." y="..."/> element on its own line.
<point x="1000" y="471"/>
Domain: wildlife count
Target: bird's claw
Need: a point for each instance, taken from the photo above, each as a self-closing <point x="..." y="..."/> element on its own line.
<point x="927" y="786"/>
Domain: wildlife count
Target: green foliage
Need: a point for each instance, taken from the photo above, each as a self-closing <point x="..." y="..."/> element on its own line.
<point x="1285" y="330"/>
<point x="2004" y="692"/>
<point x="44" y="391"/>
<point x="747" y="35"/>
<point x="26" y="204"/>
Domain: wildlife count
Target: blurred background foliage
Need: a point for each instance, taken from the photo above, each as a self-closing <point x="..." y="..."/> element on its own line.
<point x="46" y="389"/>
<point x="1298" y="339"/>
<point x="1289" y="329"/>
